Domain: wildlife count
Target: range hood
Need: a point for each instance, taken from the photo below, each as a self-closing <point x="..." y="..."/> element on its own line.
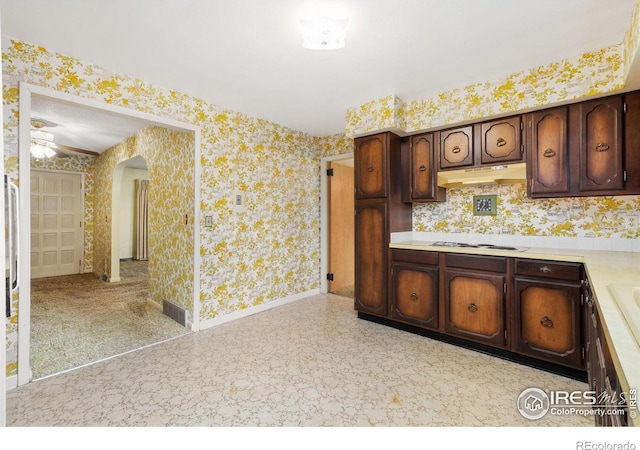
<point x="513" y="173"/>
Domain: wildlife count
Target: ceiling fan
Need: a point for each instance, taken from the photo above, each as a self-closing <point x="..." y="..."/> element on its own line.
<point x="43" y="145"/>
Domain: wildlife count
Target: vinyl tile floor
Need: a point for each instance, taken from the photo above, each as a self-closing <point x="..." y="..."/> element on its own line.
<point x="307" y="363"/>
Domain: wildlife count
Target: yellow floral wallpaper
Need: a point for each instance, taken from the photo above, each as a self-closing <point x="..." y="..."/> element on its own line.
<point x="269" y="249"/>
<point x="266" y="251"/>
<point x="591" y="73"/>
<point x="632" y="39"/>
<point x="598" y="217"/>
<point x="170" y="158"/>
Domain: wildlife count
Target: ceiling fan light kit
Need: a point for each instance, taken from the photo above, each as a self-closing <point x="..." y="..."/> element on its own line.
<point x="43" y="143"/>
<point x="42" y="151"/>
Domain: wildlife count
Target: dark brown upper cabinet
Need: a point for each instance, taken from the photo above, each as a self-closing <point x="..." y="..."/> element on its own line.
<point x="456" y="148"/>
<point x="590" y="148"/>
<point x="601" y="150"/>
<point x="419" y="168"/>
<point x="548" y="168"/>
<point x="482" y="144"/>
<point x="501" y="141"/>
<point x="632" y="142"/>
<point x="371" y="166"/>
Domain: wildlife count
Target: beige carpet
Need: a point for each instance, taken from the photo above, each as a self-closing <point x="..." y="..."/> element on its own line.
<point x="78" y="319"/>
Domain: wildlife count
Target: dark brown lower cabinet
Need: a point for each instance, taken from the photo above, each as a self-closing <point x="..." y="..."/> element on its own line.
<point x="548" y="321"/>
<point x="475" y="306"/>
<point x="414" y="294"/>
<point x="601" y="372"/>
<point x="532" y="311"/>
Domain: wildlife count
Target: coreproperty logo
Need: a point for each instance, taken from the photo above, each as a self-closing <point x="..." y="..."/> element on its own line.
<point x="535" y="403"/>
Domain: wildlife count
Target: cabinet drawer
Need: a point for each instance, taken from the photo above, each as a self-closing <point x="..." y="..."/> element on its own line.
<point x="548" y="269"/>
<point x="477" y="262"/>
<point x="415" y="256"/>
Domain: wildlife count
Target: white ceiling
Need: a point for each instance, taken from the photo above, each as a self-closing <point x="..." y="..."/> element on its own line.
<point x="246" y="54"/>
<point x="81" y="127"/>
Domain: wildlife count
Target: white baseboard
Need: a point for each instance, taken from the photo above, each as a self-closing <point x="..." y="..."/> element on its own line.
<point x="255" y="309"/>
<point x="12" y="382"/>
<point x="156" y="305"/>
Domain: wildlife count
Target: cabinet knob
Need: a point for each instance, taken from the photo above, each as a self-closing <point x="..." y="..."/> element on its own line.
<point x="545" y="269"/>
<point x="472" y="307"/>
<point x="455" y="149"/>
<point x="422" y="168"/>
<point x="549" y="153"/>
<point x="414" y="296"/>
<point x="602" y="147"/>
<point x="501" y="142"/>
<point x="546" y="322"/>
<point x="370" y="169"/>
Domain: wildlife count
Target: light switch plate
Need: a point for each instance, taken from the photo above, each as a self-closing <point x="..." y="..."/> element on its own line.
<point x="238" y="201"/>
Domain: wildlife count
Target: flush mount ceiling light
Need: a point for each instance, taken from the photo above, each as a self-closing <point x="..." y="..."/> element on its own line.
<point x="323" y="33"/>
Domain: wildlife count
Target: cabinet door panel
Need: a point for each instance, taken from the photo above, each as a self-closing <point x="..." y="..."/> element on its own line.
<point x="548" y="321"/>
<point x="501" y="141"/>
<point x="415" y="294"/>
<point x="371" y="258"/>
<point x="549" y="157"/>
<point x="371" y="167"/>
<point x="423" y="184"/>
<point x="601" y="150"/>
<point x="456" y="148"/>
<point x="474" y="306"/>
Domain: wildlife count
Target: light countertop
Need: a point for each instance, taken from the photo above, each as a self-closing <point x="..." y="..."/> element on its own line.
<point x="603" y="268"/>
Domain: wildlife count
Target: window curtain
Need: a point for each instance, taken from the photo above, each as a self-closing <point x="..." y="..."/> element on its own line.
<point x="141" y="218"/>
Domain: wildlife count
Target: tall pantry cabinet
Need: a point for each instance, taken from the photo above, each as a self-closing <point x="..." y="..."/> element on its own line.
<point x="379" y="212"/>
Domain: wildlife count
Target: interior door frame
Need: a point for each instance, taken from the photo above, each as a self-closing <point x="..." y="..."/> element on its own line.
<point x="324" y="217"/>
<point x="3" y="327"/>
<point x="28" y="90"/>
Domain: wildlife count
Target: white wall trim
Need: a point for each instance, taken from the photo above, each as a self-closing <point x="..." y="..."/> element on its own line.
<point x="324" y="218"/>
<point x="12" y="382"/>
<point x="24" y="305"/>
<point x="255" y="309"/>
<point x="3" y="327"/>
<point x="197" y="258"/>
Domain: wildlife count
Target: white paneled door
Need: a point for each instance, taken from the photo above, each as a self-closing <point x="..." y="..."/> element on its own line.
<point x="57" y="232"/>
